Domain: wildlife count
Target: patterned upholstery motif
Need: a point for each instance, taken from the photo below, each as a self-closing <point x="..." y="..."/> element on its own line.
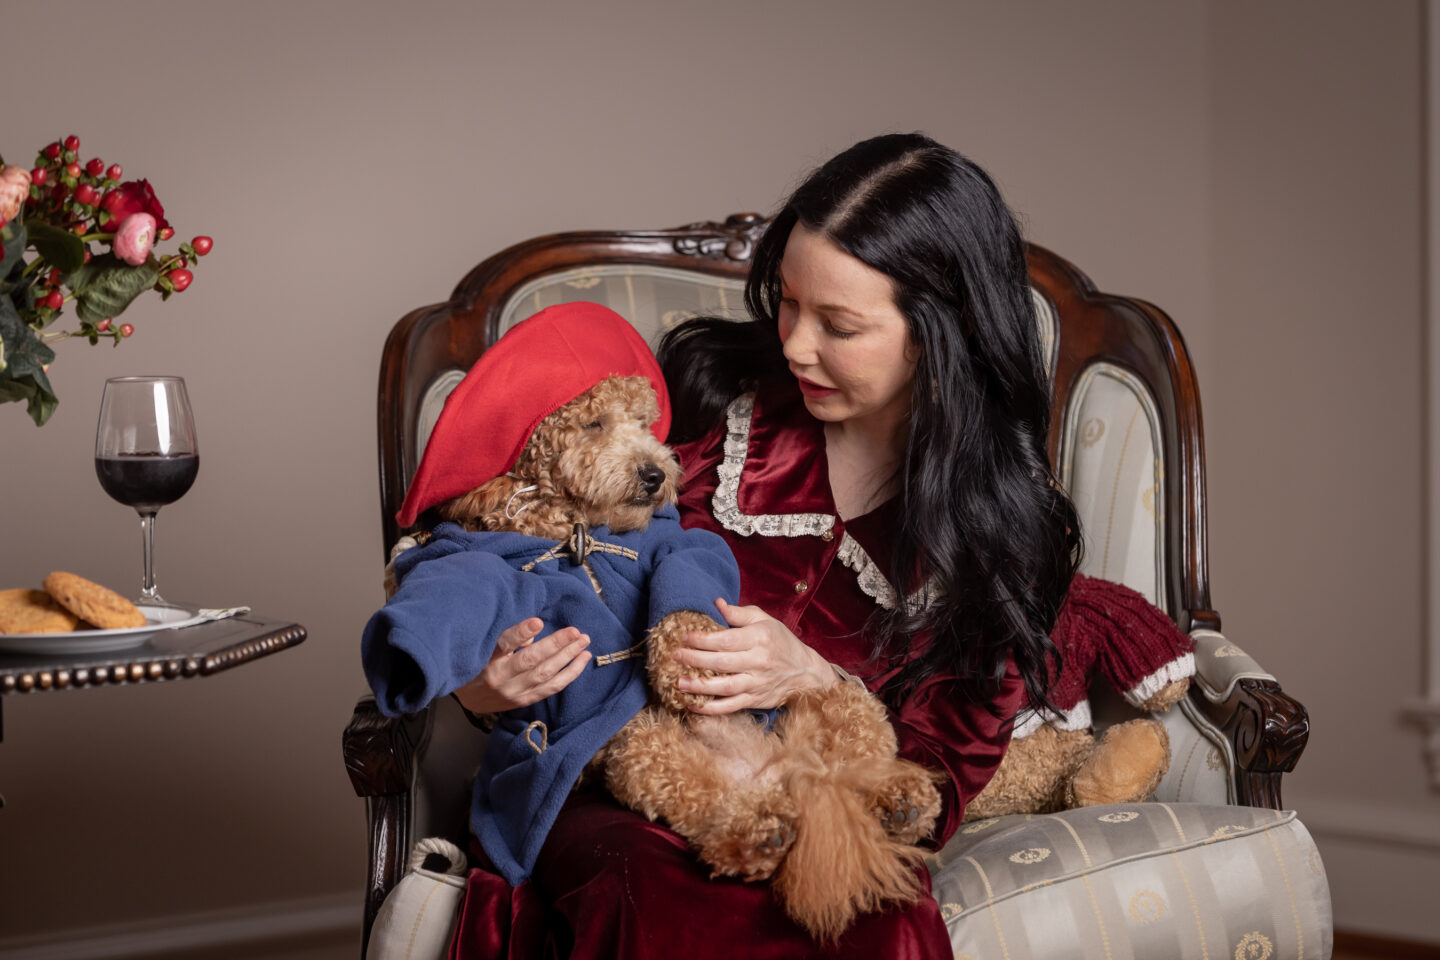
<point x="1219" y="663"/>
<point x="1111" y="467"/>
<point x="1201" y="759"/>
<point x="1137" y="880"/>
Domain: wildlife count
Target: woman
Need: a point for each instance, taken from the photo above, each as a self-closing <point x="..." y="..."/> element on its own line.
<point x="871" y="446"/>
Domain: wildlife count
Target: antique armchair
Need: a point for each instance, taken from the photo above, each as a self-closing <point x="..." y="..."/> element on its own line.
<point x="1214" y="867"/>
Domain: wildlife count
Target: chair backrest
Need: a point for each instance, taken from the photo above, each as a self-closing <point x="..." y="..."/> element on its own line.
<point x="1125" y="437"/>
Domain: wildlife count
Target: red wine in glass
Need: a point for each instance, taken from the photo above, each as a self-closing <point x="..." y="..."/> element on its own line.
<point x="147" y="481"/>
<point x="145" y="453"/>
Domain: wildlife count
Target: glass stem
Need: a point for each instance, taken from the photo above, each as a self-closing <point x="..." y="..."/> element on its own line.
<point x="147" y="532"/>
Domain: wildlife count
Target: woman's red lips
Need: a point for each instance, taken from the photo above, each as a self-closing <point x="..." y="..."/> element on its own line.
<point x="813" y="389"/>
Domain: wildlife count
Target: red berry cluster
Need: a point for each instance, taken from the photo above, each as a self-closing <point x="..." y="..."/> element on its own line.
<point x="66" y="194"/>
<point x="80" y="198"/>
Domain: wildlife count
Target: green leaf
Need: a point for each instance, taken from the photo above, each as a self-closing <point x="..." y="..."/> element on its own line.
<point x="12" y="262"/>
<point x="60" y="248"/>
<point x="106" y="285"/>
<point x="23" y="377"/>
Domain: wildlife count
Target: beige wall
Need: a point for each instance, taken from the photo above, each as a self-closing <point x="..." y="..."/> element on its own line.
<point x="1254" y="171"/>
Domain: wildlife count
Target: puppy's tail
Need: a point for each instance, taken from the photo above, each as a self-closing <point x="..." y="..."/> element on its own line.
<point x="842" y="863"/>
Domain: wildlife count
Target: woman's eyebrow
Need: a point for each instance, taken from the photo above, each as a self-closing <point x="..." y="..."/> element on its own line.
<point x="825" y="307"/>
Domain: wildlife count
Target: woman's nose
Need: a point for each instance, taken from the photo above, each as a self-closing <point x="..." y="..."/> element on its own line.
<point x="799" y="345"/>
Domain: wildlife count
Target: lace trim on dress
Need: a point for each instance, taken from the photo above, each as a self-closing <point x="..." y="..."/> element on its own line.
<point x="874" y="584"/>
<point x="871" y="580"/>
<point x="727" y="492"/>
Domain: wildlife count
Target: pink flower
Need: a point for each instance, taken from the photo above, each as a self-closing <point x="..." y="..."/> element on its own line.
<point x="135" y="238"/>
<point x="14" y="191"/>
<point x="135" y="196"/>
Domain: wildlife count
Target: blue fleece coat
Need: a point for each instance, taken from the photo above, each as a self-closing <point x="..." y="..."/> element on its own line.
<point x="460" y="590"/>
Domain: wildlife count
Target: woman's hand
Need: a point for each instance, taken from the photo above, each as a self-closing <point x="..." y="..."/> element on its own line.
<point x="521" y="672"/>
<point x="759" y="661"/>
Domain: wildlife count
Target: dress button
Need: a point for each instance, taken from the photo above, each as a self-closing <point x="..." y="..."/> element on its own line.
<point x="801" y="586"/>
<point x="828" y="535"/>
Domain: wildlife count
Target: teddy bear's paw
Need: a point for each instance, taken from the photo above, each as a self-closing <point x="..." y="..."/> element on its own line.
<point x="907" y="804"/>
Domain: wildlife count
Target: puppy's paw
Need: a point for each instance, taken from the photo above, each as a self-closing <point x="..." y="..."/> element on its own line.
<point x="664" y="639"/>
<point x="751" y="844"/>
<point x="907" y="803"/>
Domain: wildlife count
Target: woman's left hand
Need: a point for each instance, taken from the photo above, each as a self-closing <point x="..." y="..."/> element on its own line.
<point x="759" y="663"/>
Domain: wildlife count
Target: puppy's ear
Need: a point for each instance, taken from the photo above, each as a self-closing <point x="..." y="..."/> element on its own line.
<point x="482" y="508"/>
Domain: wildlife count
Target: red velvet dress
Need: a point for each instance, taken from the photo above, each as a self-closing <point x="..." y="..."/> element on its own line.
<point x="611" y="884"/>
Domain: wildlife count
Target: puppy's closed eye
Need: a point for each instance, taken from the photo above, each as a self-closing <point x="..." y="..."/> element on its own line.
<point x="594" y="425"/>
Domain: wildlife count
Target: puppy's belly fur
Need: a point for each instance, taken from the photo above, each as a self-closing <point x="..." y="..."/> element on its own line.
<point x="742" y="751"/>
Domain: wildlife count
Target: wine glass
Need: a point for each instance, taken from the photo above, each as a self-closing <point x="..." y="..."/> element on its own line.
<point x="145" y="453"/>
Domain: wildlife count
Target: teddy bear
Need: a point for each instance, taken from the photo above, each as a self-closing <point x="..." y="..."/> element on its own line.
<point x="555" y="494"/>
<point x="1055" y="761"/>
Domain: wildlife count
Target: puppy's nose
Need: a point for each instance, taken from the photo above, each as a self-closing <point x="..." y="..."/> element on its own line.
<point x="651" y="477"/>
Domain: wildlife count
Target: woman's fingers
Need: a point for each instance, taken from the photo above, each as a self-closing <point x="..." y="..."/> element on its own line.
<point x="513" y="638"/>
<point x="740" y="616"/>
<point x="721" y="661"/>
<point x="528" y="658"/>
<point x="547" y="668"/>
<point x="735" y="638"/>
<point x="722" y="705"/>
<point x="723" y="685"/>
<point x="562" y="677"/>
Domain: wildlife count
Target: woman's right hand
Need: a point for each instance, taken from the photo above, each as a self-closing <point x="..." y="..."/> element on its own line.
<point x="522" y="672"/>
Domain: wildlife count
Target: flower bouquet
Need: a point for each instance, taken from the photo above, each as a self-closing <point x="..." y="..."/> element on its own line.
<point x="91" y="241"/>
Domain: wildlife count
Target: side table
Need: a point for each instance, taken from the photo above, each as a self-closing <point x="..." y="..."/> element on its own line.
<point x="196" y="651"/>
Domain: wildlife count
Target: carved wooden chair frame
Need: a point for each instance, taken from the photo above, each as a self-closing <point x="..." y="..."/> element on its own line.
<point x="1267" y="729"/>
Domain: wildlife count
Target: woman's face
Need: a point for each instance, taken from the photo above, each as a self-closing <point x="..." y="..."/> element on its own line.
<point x="844" y="338"/>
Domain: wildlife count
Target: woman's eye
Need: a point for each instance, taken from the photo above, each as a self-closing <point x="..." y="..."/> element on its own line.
<point x="840" y="333"/>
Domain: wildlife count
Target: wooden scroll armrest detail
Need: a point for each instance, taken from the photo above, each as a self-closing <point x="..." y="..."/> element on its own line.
<point x="379" y="756"/>
<point x="1267" y="730"/>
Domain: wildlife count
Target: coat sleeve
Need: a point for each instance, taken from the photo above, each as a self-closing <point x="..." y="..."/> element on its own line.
<point x="692" y="568"/>
<point x="439" y="629"/>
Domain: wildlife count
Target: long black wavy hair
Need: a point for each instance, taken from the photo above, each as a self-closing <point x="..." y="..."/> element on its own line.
<point x="981" y="516"/>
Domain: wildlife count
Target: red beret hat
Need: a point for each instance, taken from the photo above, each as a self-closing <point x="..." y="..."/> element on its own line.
<point x="537" y="367"/>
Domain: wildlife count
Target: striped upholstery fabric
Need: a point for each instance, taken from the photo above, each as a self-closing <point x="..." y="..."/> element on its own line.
<point x="1111" y="466"/>
<point x="1173" y="881"/>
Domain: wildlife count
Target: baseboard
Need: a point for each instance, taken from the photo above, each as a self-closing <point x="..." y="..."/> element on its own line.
<point x="1363" y="945"/>
<point x="198" y="934"/>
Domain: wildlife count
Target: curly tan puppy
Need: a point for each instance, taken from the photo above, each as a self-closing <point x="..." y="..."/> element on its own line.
<point x="821" y="802"/>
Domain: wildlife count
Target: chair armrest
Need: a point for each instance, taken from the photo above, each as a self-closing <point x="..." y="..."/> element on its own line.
<point x="380" y="758"/>
<point x="1267" y="729"/>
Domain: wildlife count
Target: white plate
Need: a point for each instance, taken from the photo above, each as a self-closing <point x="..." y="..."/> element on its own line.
<point x="100" y="641"/>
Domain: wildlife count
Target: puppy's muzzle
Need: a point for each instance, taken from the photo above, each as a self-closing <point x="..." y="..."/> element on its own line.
<point x="651" y="478"/>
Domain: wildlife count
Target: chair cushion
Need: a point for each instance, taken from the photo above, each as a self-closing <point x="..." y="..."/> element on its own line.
<point x="1135" y="880"/>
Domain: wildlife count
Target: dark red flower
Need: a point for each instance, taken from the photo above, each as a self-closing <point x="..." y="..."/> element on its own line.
<point x="133" y="196"/>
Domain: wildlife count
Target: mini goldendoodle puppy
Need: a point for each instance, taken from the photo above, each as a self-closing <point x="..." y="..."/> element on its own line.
<point x="818" y="801"/>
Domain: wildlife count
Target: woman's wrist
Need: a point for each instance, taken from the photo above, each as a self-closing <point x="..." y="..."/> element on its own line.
<point x="824" y="674"/>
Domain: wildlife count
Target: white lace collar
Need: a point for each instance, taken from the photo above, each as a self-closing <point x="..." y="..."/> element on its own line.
<point x="871" y="580"/>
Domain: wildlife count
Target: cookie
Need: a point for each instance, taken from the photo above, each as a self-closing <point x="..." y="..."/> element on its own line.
<point x="33" y="611"/>
<point x="93" y="603"/>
